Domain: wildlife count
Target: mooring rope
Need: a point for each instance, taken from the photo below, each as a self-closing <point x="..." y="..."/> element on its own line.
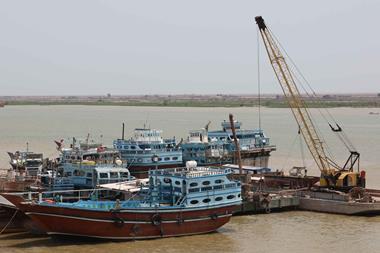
<point x="9" y="222"/>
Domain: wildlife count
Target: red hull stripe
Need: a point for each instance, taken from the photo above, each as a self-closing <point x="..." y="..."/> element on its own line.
<point x="125" y="221"/>
<point x="131" y="237"/>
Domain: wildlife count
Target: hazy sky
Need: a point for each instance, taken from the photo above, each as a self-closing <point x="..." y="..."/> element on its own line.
<point x="172" y="47"/>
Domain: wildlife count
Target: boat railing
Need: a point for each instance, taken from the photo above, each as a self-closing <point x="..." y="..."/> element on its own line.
<point x="190" y="173"/>
<point x="59" y="196"/>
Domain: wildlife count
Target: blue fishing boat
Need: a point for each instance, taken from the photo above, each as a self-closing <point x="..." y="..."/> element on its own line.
<point x="217" y="147"/>
<point x="90" y="164"/>
<point x="145" y="144"/>
<point x="179" y="201"/>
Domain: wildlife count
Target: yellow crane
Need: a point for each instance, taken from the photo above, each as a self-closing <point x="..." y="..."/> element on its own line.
<point x="332" y="175"/>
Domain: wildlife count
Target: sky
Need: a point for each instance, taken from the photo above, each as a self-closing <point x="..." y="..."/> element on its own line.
<point x="122" y="47"/>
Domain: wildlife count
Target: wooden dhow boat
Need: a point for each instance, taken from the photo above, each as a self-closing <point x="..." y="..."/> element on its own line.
<point x="178" y="201"/>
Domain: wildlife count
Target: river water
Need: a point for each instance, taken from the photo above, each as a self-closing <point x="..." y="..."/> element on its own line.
<point x="278" y="232"/>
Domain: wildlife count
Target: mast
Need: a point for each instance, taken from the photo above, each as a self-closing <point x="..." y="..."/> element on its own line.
<point x="237" y="146"/>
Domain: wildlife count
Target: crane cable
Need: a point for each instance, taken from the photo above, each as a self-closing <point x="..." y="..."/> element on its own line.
<point x="341" y="135"/>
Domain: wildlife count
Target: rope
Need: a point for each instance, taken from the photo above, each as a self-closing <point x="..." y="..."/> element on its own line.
<point x="289" y="151"/>
<point x="9" y="222"/>
<point x="343" y="137"/>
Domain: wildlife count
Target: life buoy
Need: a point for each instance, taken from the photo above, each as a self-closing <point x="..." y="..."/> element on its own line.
<point x="119" y="222"/>
<point x="180" y="220"/>
<point x="50" y="201"/>
<point x="156" y="219"/>
<point x="214" y="216"/>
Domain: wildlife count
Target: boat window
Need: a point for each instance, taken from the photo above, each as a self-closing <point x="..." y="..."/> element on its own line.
<point x="114" y="175"/>
<point x="208" y="188"/>
<point x="159" y="159"/>
<point x="218" y="198"/>
<point x="175" y="158"/>
<point x="194" y="190"/>
<point x="230" y="196"/>
<point x="193" y="184"/>
<point x="206" y="182"/>
<point x="218" y="187"/>
<point x="239" y="195"/>
<point x="230" y="185"/>
<point x="89" y="174"/>
<point x="103" y="175"/>
<point x="167" y="180"/>
<point x="124" y="174"/>
<point x="125" y="147"/>
<point x="68" y="174"/>
<point x="79" y="173"/>
<point x="177" y="182"/>
<point x="206" y="200"/>
<point x="219" y="181"/>
<point x="167" y="158"/>
<point x="194" y="202"/>
<point x="133" y="147"/>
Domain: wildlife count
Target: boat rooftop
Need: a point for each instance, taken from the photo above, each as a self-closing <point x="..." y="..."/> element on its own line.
<point x="190" y="172"/>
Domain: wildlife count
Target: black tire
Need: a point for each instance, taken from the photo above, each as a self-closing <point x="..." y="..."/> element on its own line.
<point x="156" y="219"/>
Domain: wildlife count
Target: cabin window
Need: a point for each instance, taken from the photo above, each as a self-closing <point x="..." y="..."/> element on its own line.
<point x="230" y="196"/>
<point x="133" y="147"/>
<point x="167" y="180"/>
<point x="206" y="182"/>
<point x="194" y="202"/>
<point x="103" y="175"/>
<point x="218" y="187"/>
<point x="194" y="190"/>
<point x="175" y="158"/>
<point x="124" y="174"/>
<point x="114" y="175"/>
<point x="68" y="174"/>
<point x="208" y="188"/>
<point x="167" y="158"/>
<point x="125" y="147"/>
<point x="159" y="159"/>
<point x="239" y="195"/>
<point x="89" y="174"/>
<point x="79" y="173"/>
<point x="177" y="182"/>
<point x="230" y="185"/>
<point x="193" y="184"/>
<point x="206" y="200"/>
<point x="218" y="198"/>
<point x="219" y="181"/>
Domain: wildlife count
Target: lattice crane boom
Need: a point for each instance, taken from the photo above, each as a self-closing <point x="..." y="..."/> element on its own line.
<point x="294" y="98"/>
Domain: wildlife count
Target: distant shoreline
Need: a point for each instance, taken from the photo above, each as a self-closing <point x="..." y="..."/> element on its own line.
<point x="270" y="101"/>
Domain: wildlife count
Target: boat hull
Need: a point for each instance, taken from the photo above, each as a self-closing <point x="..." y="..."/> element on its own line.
<point x="126" y="224"/>
<point x="335" y="203"/>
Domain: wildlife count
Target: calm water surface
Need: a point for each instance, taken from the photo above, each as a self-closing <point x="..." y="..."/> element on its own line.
<point x="279" y="232"/>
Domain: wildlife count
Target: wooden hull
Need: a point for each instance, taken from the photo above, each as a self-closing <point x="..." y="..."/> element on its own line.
<point x="11" y="220"/>
<point x="15" y="186"/>
<point x="126" y="224"/>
